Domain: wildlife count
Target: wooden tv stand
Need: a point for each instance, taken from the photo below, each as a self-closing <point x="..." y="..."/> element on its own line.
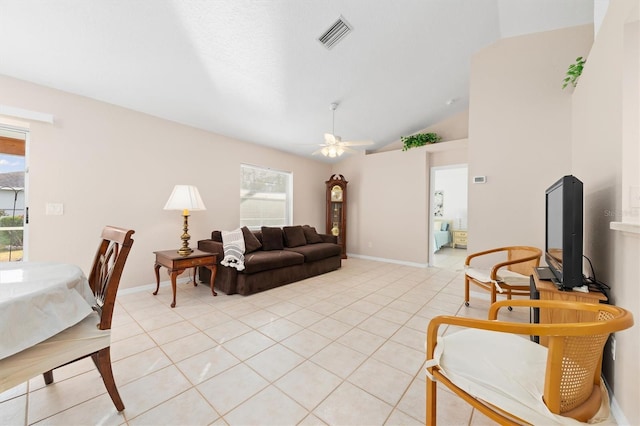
<point x="548" y="291"/>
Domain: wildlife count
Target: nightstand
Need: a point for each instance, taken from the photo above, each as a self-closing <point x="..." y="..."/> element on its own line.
<point x="459" y="238"/>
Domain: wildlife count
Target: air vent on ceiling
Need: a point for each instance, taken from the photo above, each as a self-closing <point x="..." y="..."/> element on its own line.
<point x="335" y="33"/>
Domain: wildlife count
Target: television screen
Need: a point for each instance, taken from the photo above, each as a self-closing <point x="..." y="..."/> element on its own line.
<point x="554" y="224"/>
<point x="563" y="231"/>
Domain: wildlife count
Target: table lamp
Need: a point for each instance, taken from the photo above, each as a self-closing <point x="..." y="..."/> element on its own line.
<point x="185" y="198"/>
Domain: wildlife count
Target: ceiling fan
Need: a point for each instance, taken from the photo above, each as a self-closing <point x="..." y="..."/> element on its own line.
<point x="333" y="145"/>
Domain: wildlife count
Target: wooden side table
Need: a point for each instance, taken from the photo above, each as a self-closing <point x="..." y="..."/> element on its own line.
<point x="176" y="264"/>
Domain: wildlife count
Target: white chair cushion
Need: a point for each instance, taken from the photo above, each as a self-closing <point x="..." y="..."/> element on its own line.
<point x="482" y="275"/>
<point x="504" y="276"/>
<point x="503" y="369"/>
<point x="74" y="342"/>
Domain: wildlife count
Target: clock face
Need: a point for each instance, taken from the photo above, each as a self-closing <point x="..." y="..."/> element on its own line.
<point x="336" y="193"/>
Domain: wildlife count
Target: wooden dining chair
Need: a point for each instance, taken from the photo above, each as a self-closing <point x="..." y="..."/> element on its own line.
<point x="514" y="381"/>
<point x="92" y="335"/>
<point x="510" y="275"/>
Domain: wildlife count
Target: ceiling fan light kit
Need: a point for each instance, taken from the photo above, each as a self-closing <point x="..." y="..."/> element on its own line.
<point x="333" y="145"/>
<point x="332" y="151"/>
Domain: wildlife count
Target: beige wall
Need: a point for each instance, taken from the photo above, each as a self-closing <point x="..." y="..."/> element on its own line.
<point x="110" y="165"/>
<point x="388" y="200"/>
<point x="449" y="157"/>
<point x="519" y="133"/>
<point x="605" y="130"/>
<point x="387" y="205"/>
<point x="452" y="128"/>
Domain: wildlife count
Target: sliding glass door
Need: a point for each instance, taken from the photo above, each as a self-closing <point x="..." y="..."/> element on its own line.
<point x="12" y="194"/>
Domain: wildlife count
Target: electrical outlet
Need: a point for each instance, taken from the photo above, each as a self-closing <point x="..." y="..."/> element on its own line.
<point x="613" y="348"/>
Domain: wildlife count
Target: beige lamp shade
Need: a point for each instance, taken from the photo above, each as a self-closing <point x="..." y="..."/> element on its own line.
<point x="185" y="198"/>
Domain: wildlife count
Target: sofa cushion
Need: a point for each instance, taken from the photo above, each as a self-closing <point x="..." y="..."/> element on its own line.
<point x="294" y="236"/>
<point x="258" y="235"/>
<point x="311" y="235"/>
<point x="319" y="251"/>
<point x="272" y="238"/>
<point x="216" y="236"/>
<point x="251" y="242"/>
<point x="266" y="260"/>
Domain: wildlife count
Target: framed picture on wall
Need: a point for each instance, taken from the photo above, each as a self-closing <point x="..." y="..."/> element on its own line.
<point x="438" y="203"/>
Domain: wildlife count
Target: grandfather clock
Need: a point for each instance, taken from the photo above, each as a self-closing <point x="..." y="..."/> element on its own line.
<point x="337" y="210"/>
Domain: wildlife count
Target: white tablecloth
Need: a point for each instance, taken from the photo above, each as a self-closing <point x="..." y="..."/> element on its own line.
<point x="39" y="300"/>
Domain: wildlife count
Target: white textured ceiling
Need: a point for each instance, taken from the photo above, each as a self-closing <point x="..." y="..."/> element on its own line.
<point x="254" y="70"/>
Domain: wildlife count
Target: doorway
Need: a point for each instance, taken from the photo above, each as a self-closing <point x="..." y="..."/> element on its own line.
<point x="448" y="213"/>
<point x="13" y="211"/>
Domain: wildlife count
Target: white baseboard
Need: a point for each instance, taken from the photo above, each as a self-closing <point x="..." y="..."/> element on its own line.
<point x="381" y="259"/>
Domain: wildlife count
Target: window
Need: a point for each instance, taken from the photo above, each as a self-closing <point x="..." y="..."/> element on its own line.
<point x="265" y="197"/>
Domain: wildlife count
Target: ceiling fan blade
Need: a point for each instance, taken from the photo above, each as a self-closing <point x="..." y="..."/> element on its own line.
<point x="357" y="143"/>
<point x="317" y="152"/>
<point x="347" y="149"/>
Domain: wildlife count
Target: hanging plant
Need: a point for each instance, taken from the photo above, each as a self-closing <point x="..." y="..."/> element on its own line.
<point x="419" y="139"/>
<point x="574" y="72"/>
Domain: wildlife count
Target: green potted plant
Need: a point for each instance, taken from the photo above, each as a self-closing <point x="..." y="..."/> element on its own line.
<point x="574" y="72"/>
<point x="419" y="139"/>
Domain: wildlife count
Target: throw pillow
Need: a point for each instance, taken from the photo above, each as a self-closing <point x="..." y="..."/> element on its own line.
<point x="272" y="238"/>
<point x="445" y="226"/>
<point x="311" y="235"/>
<point x="216" y="236"/>
<point x="294" y="236"/>
<point x="437" y="225"/>
<point x="251" y="243"/>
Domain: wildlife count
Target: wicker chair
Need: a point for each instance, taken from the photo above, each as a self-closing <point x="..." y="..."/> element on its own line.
<point x="513" y="380"/>
<point x="91" y="336"/>
<point x="510" y="276"/>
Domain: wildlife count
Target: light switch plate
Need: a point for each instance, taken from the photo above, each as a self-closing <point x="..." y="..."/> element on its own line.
<point x="54" y="209"/>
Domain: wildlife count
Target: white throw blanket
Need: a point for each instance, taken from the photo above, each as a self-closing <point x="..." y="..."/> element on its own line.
<point x="233" y="243"/>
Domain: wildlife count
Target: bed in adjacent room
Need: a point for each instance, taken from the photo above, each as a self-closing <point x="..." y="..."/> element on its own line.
<point x="441" y="233"/>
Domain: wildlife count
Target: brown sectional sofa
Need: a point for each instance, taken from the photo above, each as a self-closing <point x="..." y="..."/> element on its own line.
<point x="273" y="257"/>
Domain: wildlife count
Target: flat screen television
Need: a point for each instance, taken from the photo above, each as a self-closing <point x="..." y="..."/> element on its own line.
<point x="563" y="231"/>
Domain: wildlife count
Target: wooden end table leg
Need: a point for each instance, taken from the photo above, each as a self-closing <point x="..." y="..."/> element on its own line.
<point x="157" y="270"/>
<point x="174" y="274"/>
<point x="214" y="270"/>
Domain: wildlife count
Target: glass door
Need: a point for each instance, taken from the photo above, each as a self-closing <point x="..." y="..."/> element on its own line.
<point x="12" y="194"/>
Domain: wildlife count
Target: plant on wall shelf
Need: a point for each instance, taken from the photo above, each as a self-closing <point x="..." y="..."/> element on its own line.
<point x="574" y="72"/>
<point x="419" y="139"/>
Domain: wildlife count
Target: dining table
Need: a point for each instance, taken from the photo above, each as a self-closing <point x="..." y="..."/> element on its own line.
<point x="39" y="300"/>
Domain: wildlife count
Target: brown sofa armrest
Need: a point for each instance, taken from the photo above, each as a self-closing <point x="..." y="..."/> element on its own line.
<point x="214" y="247"/>
<point x="328" y="238"/>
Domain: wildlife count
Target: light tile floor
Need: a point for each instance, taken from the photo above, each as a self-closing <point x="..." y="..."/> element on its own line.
<point x="343" y="348"/>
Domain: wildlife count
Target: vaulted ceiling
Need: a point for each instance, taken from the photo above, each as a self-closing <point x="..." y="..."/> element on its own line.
<point x="255" y="70"/>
